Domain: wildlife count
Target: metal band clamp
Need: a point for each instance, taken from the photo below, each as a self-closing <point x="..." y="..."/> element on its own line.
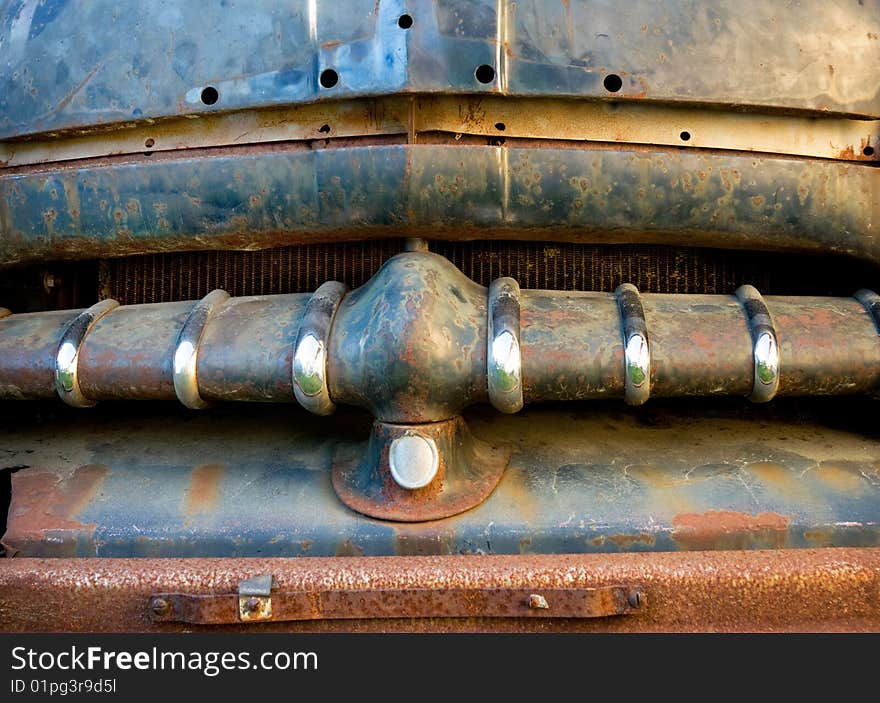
<point x="310" y="353"/>
<point x="186" y="351"/>
<point x="503" y="353"/>
<point x="765" y="348"/>
<point x="67" y="356"/>
<point x="636" y="348"/>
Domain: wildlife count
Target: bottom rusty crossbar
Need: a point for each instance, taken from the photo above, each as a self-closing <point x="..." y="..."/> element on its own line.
<point x="764" y="590"/>
<point x="397" y="603"/>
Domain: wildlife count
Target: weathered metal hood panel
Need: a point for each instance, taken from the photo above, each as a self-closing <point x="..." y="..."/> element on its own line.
<point x="81" y="64"/>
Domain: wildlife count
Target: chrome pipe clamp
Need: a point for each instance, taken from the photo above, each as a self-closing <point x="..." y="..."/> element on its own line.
<point x="636" y="346"/>
<point x="310" y="353"/>
<point x="186" y="351"/>
<point x="67" y="355"/>
<point x="503" y="352"/>
<point x="765" y="347"/>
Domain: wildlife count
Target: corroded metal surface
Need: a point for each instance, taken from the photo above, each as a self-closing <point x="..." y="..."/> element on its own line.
<point x="410" y="346"/>
<point x="366" y="604"/>
<point x="498" y="118"/>
<point x="28" y="344"/>
<point x="129" y="353"/>
<point x="781" y="590"/>
<point x="81" y="65"/>
<point x="143" y="480"/>
<point x="468" y="471"/>
<point x="527" y="189"/>
<point x="246" y="352"/>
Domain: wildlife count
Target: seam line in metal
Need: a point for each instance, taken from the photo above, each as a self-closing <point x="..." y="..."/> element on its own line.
<point x="67" y="354"/>
<point x="309" y="368"/>
<point x="503" y="349"/>
<point x="765" y="345"/>
<point x="636" y="345"/>
<point x="186" y="350"/>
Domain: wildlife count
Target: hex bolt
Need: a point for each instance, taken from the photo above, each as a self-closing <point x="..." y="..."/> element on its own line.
<point x="538" y="602"/>
<point x="252" y="604"/>
<point x="159" y="606"/>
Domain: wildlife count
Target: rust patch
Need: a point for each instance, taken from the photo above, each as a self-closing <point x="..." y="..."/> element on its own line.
<point x="840" y="477"/>
<point x="779" y="479"/>
<point x="820" y="537"/>
<point x="52" y="504"/>
<point x="411" y="541"/>
<point x="627" y="542"/>
<point x="204" y="488"/>
<point x="348" y="549"/>
<point x="793" y="589"/>
<point x="726" y="529"/>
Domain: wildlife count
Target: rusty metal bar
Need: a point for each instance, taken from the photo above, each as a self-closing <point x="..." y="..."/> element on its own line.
<point x="827" y="137"/>
<point x="571" y="346"/>
<point x="370" y="604"/>
<point x="774" y="590"/>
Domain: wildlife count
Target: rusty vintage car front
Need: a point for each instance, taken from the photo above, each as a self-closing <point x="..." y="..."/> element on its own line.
<point x="452" y="315"/>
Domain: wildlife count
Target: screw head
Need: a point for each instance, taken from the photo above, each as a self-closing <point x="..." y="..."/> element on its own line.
<point x="637" y="599"/>
<point x="252" y="604"/>
<point x="160" y="606"/>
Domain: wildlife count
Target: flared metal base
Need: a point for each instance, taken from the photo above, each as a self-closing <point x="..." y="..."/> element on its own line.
<point x="367" y="478"/>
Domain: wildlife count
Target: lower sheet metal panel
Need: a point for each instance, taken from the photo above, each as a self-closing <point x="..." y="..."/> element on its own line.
<point x="155" y="481"/>
<point x="722" y="591"/>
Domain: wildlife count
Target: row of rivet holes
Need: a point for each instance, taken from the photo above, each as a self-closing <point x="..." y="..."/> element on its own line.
<point x="484" y="74"/>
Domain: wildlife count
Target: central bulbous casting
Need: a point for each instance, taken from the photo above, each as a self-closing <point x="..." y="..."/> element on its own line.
<point x="410" y="345"/>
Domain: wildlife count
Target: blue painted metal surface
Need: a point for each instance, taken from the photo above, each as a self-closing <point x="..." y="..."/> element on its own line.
<point x="256" y="482"/>
<point x="273" y="197"/>
<point x="82" y="64"/>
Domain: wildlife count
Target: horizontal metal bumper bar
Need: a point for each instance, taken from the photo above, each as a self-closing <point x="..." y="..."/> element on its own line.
<point x="417" y="354"/>
<point x="782" y="590"/>
<point x="272" y="195"/>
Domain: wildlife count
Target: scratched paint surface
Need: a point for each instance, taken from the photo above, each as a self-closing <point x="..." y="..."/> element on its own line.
<point x="595" y="477"/>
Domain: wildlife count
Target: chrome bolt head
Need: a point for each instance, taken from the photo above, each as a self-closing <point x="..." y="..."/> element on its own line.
<point x="413" y="461"/>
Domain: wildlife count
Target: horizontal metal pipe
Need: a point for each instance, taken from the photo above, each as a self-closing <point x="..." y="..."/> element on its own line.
<point x="571" y="346"/>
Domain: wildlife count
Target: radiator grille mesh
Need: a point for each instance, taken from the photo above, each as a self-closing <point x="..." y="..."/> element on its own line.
<point x="295" y="269"/>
